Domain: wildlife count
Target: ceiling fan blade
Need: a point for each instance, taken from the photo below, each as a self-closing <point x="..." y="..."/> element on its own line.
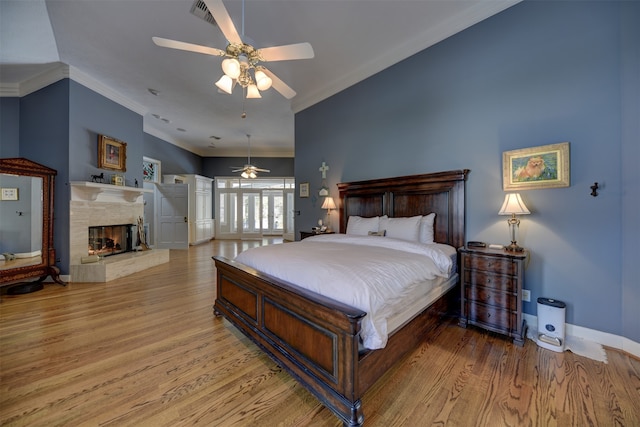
<point x="287" y="52"/>
<point x="279" y="85"/>
<point x="220" y="14"/>
<point x="261" y="170"/>
<point x="174" y="44"/>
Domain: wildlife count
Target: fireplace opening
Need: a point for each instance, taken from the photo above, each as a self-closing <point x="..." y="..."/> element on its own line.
<point x="106" y="240"/>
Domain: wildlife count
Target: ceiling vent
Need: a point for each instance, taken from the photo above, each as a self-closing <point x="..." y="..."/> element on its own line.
<point x="200" y="10"/>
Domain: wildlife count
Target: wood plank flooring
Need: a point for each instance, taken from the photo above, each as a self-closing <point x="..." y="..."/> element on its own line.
<point x="146" y="350"/>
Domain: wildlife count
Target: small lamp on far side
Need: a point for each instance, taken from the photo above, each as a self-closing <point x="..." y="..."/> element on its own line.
<point x="513" y="205"/>
<point x="328" y="204"/>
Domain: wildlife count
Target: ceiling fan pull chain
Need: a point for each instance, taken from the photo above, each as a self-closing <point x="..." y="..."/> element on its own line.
<point x="242" y="21"/>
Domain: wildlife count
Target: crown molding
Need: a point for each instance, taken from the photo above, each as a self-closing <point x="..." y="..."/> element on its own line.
<point x="59" y="71"/>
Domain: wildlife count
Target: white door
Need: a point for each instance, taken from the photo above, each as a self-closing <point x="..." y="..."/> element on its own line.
<point x="251" y="224"/>
<point x="172" y="208"/>
<point x="272" y="212"/>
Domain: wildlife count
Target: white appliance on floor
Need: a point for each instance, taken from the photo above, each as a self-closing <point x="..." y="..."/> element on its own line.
<point x="551" y="324"/>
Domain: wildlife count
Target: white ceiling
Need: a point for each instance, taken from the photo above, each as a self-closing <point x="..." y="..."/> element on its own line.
<point x="107" y="44"/>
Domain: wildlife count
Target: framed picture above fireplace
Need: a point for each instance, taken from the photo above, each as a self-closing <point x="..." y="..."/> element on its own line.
<point x="112" y="154"/>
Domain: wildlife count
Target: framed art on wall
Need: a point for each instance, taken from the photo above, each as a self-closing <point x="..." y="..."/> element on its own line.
<point x="151" y="169"/>
<point x="112" y="154"/>
<point x="304" y="189"/>
<point x="9" y="194"/>
<point x="546" y="166"/>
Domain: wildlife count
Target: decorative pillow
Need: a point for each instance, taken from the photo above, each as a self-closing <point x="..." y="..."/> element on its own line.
<point x="359" y="226"/>
<point x="378" y="233"/>
<point x="426" y="229"/>
<point x="401" y="228"/>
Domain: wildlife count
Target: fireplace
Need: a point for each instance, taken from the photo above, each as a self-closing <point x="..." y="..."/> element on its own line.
<point x="106" y="240"/>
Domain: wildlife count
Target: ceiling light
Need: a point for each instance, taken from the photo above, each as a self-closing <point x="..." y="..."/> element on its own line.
<point x="253" y="92"/>
<point x="262" y="80"/>
<point x="225" y="84"/>
<point x="231" y="67"/>
<point x="241" y="66"/>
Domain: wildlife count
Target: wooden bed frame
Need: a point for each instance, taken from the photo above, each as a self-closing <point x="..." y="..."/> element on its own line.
<point x="316" y="338"/>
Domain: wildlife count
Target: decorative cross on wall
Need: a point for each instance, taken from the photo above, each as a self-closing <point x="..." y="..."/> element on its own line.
<point x="324" y="168"/>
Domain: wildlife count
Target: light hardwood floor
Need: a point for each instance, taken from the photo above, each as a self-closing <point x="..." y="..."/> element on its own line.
<point x="147" y="351"/>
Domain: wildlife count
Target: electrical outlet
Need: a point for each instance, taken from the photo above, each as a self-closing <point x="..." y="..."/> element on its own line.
<point x="526" y="295"/>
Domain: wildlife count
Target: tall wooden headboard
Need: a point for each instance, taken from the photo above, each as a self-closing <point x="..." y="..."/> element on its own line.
<point x="440" y="192"/>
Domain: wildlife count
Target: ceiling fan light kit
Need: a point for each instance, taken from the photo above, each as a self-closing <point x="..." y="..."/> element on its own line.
<point x="242" y="61"/>
<point x="248" y="171"/>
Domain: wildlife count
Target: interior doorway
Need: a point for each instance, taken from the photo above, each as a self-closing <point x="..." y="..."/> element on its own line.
<point x="254" y="208"/>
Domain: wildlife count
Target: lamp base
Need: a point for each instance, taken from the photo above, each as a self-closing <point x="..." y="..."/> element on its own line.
<point x="513" y="247"/>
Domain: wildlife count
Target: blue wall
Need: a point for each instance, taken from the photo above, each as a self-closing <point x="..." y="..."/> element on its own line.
<point x="44" y="138"/>
<point x="174" y="160"/>
<point x="9" y="127"/>
<point x="91" y="114"/>
<point x="536" y="74"/>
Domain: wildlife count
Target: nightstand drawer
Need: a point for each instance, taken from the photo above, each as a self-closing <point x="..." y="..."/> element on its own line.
<point x="492" y="280"/>
<point x="490" y="296"/>
<point x="492" y="317"/>
<point x="504" y="265"/>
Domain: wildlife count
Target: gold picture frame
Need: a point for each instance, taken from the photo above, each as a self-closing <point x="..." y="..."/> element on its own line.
<point x="304" y="189"/>
<point x="112" y="154"/>
<point x="546" y="166"/>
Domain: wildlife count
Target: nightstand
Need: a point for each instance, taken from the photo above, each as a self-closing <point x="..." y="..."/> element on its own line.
<point x="305" y="234"/>
<point x="491" y="291"/>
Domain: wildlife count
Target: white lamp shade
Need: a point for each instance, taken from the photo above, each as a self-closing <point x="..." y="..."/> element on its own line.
<point x="225" y="84"/>
<point x="262" y="80"/>
<point x="513" y="204"/>
<point x="253" y="92"/>
<point x="252" y="175"/>
<point x="231" y="67"/>
<point x="328" y="203"/>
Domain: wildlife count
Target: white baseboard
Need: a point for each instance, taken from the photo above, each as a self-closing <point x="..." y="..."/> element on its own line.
<point x="604" y="338"/>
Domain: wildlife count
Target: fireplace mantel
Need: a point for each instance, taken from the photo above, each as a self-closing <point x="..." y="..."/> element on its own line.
<point x="94" y="191"/>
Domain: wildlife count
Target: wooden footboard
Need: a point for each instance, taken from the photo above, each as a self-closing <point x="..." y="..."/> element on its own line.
<point x="314" y="338"/>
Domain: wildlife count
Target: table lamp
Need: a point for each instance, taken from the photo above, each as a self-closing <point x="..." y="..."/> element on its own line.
<point x="513" y="205"/>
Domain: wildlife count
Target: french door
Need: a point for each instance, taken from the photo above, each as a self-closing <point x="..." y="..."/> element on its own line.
<point x="253" y="208"/>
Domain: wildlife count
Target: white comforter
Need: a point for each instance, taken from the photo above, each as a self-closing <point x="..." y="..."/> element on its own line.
<point x="366" y="272"/>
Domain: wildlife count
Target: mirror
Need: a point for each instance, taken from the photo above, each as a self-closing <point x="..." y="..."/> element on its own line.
<point x="26" y="229"/>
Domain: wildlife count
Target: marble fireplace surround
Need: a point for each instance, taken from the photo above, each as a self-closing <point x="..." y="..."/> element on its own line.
<point x="94" y="204"/>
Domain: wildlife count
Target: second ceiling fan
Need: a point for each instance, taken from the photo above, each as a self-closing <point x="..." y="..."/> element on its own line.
<point x="248" y="170"/>
<point x="243" y="62"/>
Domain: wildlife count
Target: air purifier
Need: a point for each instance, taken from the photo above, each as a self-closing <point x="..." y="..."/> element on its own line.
<point x="551" y="320"/>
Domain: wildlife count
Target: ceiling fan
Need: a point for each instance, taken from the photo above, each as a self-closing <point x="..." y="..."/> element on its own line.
<point x="243" y="62"/>
<point x="248" y="170"/>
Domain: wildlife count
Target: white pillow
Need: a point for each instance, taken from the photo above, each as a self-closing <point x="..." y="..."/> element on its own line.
<point x="426" y="229"/>
<point x="401" y="228"/>
<point x="359" y="226"/>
